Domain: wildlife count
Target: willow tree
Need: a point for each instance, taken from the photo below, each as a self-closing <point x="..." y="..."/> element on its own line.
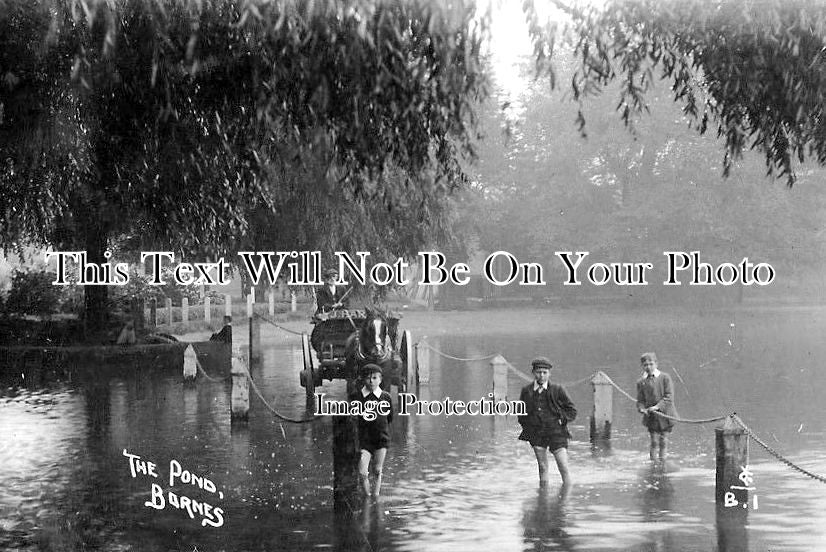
<point x="753" y="72"/>
<point x="179" y="120"/>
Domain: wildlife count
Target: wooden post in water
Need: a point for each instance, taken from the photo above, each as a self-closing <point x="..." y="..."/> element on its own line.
<point x="169" y="311"/>
<point x="138" y="314"/>
<point x="733" y="477"/>
<point x="207" y="310"/>
<point x="602" y="414"/>
<point x="190" y="363"/>
<point x="499" y="371"/>
<point x="153" y="312"/>
<point x="345" y="460"/>
<point x="185" y="310"/>
<point x="240" y="397"/>
<point x="255" y="332"/>
<point x="423" y="363"/>
<point x="271" y="302"/>
<point x="255" y="339"/>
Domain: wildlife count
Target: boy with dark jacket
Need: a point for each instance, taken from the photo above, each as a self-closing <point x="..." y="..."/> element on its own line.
<point x="545" y="425"/>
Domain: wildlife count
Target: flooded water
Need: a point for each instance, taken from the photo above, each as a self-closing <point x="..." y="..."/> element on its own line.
<point x="451" y="483"/>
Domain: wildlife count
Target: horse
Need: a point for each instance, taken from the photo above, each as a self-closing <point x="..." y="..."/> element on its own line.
<point x="370" y="345"/>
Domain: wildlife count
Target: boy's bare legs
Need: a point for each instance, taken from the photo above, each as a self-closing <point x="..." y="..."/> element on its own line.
<point x="654" y="446"/>
<point x="364" y="465"/>
<point x="378" y="466"/>
<point x="663" y="447"/>
<point x="561" y="456"/>
<point x="542" y="461"/>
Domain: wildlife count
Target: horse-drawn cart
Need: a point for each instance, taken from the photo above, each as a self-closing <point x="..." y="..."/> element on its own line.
<point x="345" y="340"/>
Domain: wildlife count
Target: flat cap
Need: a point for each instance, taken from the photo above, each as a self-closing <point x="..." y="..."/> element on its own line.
<point x="541" y="362"/>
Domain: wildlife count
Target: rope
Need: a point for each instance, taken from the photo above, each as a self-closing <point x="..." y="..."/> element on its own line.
<point x="675" y="418"/>
<point x="589" y="377"/>
<point x="445" y="355"/>
<point x="774" y="453"/>
<point x="207" y="376"/>
<point x="270" y="408"/>
<point x="264" y="318"/>
<point x="620" y="389"/>
<point x="519" y="373"/>
<point x="686" y="421"/>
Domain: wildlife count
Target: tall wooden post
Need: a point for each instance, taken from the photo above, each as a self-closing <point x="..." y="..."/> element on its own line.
<point x="169" y="311"/>
<point x="240" y="397"/>
<point x="733" y="478"/>
<point x="255" y="339"/>
<point x="185" y="310"/>
<point x="207" y="310"/>
<point x="602" y="414"/>
<point x="153" y="312"/>
<point x="271" y="302"/>
<point x="345" y="460"/>
<point x="190" y="363"/>
<point x="228" y="304"/>
<point x="499" y="373"/>
<point x="293" y="302"/>
<point x="138" y="314"/>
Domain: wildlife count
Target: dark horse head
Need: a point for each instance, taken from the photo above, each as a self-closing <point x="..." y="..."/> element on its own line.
<point x="372" y="337"/>
<point x="370" y="343"/>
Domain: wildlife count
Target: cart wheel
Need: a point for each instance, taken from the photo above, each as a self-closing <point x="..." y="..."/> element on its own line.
<point x="407" y="376"/>
<point x="308" y="379"/>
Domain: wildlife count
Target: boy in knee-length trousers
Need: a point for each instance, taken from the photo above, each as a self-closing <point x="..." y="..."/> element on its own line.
<point x="655" y="393"/>
<point x="545" y="425"/>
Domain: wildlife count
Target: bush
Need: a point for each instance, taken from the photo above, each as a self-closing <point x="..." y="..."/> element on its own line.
<point x="32" y="292"/>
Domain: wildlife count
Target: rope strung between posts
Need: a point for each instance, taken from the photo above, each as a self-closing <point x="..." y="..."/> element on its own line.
<point x="264" y="318"/>
<point x="675" y="418"/>
<point x="207" y="376"/>
<point x="566" y="384"/>
<point x="270" y="408"/>
<point x="774" y="453"/>
<point x="589" y="377"/>
<point x="517" y="372"/>
<point x="445" y="355"/>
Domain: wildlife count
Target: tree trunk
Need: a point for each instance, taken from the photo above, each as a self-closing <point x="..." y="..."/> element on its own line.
<point x="96" y="313"/>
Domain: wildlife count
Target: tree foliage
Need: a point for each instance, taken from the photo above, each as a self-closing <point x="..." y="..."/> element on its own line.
<point x="182" y="122"/>
<point x="755" y="71"/>
<point x="627" y="197"/>
<point x="184" y="114"/>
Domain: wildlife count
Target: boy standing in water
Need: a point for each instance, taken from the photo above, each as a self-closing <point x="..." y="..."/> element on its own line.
<point x="374" y="435"/>
<point x="545" y="426"/>
<point x="655" y="393"/>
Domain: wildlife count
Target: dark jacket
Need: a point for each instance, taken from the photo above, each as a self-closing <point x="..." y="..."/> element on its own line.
<point x="557" y="403"/>
<point x="224" y="336"/>
<point x="325" y="300"/>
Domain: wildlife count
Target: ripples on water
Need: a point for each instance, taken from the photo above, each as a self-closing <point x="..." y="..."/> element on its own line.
<point x="451" y="484"/>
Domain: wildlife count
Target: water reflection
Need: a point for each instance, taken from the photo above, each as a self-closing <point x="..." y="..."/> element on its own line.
<point x="731" y="530"/>
<point x="657" y="498"/>
<point x="451" y="483"/>
<point x="545" y="519"/>
<point x="656" y="506"/>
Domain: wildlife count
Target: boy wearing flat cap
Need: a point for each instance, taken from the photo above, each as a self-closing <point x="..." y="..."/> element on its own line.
<point x="545" y="426"/>
<point x="329" y="296"/>
<point x="655" y="393"/>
